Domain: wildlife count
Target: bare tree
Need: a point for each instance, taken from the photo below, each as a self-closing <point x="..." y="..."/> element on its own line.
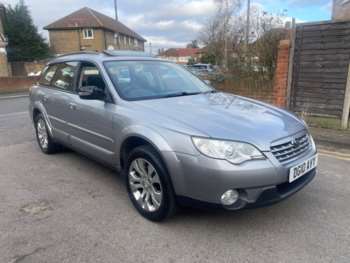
<point x="241" y="52"/>
<point x="217" y="34"/>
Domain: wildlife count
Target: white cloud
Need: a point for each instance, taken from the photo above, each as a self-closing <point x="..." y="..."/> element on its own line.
<point x="159" y="42"/>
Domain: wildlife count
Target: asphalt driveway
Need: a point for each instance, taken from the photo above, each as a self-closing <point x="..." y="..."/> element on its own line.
<point x="66" y="208"/>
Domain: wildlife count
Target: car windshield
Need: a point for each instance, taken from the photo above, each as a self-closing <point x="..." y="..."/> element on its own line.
<point x="139" y="80"/>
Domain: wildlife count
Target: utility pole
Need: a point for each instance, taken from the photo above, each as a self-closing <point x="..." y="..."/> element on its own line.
<point x="226" y="14"/>
<point x="248" y="25"/>
<point x="116" y="9"/>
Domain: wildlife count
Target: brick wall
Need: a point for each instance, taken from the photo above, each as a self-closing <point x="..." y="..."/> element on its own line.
<point x="95" y="44"/>
<point x="67" y="41"/>
<point x="281" y="75"/>
<point x="16" y="84"/>
<point x="64" y="41"/>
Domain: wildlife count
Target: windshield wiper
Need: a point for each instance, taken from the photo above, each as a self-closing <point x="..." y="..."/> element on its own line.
<point x="211" y="91"/>
<point x="180" y="94"/>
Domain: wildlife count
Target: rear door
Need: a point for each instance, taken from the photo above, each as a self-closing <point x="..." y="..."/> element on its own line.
<point x="59" y="83"/>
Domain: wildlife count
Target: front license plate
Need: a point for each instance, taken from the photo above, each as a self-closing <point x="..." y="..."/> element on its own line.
<point x="298" y="171"/>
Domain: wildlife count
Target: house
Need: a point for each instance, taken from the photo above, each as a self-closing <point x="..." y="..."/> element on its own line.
<point x="341" y="10"/>
<point x="180" y="55"/>
<point x="87" y="29"/>
<point x="4" y="67"/>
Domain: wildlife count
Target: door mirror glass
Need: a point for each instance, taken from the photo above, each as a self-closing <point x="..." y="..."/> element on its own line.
<point x="91" y="93"/>
<point x="207" y="81"/>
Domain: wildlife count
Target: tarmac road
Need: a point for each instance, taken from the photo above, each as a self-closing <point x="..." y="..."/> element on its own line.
<point x="66" y="208"/>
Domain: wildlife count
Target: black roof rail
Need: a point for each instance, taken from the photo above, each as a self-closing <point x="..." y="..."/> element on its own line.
<point x="126" y="53"/>
<point x="79" y="53"/>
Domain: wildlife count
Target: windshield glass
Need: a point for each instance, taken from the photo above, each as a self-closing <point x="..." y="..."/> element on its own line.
<point x="139" y="80"/>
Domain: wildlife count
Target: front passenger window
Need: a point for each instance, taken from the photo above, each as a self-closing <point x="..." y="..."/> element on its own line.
<point x="90" y="76"/>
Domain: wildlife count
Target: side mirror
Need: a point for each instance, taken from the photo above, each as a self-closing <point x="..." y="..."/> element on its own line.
<point x="91" y="93"/>
<point x="207" y="81"/>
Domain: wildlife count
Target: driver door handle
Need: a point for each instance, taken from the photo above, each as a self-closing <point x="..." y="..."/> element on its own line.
<point x="45" y="98"/>
<point x="72" y="106"/>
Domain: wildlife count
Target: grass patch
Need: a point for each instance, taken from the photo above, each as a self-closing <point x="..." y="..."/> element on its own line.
<point x="323" y="122"/>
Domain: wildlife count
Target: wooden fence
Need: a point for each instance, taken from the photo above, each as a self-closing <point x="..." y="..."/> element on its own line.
<point x="252" y="88"/>
<point x="320" y="69"/>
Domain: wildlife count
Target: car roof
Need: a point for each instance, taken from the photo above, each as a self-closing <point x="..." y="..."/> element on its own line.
<point x="105" y="56"/>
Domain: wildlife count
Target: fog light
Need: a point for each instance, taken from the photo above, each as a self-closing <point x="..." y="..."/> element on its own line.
<point x="229" y="197"/>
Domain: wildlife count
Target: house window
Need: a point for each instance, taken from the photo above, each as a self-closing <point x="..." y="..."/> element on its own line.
<point x="125" y="41"/>
<point x="88" y="33"/>
<point x="136" y="44"/>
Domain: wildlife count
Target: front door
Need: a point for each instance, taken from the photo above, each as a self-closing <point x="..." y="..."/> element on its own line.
<point x="91" y="120"/>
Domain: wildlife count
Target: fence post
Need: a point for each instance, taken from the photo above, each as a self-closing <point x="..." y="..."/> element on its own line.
<point x="346" y="107"/>
<point x="291" y="63"/>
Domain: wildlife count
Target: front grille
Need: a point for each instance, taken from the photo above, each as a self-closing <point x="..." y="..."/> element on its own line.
<point x="291" y="149"/>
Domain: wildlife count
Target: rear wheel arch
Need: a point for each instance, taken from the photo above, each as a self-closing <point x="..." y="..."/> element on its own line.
<point x="36" y="112"/>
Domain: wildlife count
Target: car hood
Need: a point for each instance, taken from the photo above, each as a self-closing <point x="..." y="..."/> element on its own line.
<point x="229" y="117"/>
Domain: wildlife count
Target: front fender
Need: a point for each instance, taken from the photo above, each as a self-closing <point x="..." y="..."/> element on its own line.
<point x="146" y="133"/>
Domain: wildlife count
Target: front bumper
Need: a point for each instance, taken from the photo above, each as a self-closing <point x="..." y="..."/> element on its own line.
<point x="266" y="196"/>
<point x="201" y="181"/>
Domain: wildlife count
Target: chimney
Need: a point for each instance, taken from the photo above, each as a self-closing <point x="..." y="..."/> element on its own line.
<point x="116" y="9"/>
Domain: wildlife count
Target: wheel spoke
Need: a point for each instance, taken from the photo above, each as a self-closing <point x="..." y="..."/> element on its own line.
<point x="155" y="179"/>
<point x="150" y="171"/>
<point x="156" y="198"/>
<point x="134" y="178"/>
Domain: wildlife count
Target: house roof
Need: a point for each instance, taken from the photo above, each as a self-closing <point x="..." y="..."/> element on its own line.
<point x="180" y="52"/>
<point x="89" y="18"/>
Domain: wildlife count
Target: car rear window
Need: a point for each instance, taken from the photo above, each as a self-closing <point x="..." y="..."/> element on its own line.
<point x="48" y="75"/>
<point x="65" y="76"/>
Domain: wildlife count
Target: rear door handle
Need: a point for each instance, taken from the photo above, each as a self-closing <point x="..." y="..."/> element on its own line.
<point x="72" y="106"/>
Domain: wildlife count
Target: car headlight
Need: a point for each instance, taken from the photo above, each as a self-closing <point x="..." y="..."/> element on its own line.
<point x="234" y="152"/>
<point x="312" y="141"/>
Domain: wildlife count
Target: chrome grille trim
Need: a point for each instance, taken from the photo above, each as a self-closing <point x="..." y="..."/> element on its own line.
<point x="292" y="149"/>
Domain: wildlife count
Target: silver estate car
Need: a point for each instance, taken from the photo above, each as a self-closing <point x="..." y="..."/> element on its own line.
<point x="175" y="139"/>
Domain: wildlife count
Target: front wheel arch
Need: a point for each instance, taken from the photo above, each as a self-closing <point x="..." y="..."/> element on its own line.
<point x="133" y="142"/>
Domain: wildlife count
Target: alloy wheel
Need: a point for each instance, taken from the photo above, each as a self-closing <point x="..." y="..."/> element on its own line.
<point x="145" y="185"/>
<point x="42" y="133"/>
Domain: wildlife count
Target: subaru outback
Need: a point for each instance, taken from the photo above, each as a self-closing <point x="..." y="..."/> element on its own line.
<point x="174" y="138"/>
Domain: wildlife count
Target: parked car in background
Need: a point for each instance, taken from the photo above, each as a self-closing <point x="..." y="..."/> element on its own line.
<point x="175" y="139"/>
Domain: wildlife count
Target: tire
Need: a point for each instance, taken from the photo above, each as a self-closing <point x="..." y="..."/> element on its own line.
<point x="157" y="183"/>
<point x="45" y="142"/>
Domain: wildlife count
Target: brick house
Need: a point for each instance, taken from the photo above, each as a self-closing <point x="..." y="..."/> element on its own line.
<point x="341" y="10"/>
<point x="180" y="55"/>
<point x="87" y="29"/>
<point x="4" y="67"/>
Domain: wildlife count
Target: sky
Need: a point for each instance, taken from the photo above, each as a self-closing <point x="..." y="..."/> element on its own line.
<point x="168" y="23"/>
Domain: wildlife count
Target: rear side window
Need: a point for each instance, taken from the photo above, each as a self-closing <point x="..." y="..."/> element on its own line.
<point x="48" y="75"/>
<point x="65" y="76"/>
